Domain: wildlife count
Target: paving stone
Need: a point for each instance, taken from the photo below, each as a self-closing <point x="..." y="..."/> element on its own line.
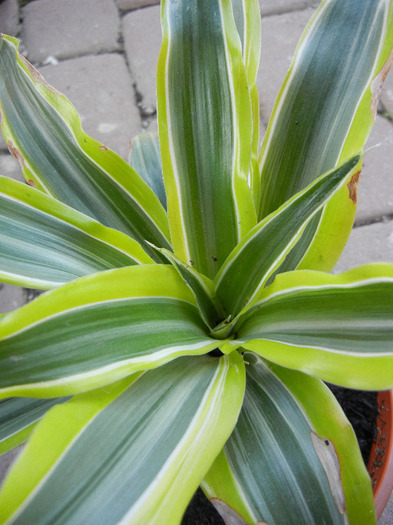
<point x="101" y="90"/>
<point x="11" y="297"/>
<point x="142" y="40"/>
<point x="372" y="243"/>
<point x="9" y="17"/>
<point x="269" y="7"/>
<point x="280" y="35"/>
<point x="91" y="26"/>
<point x="375" y="190"/>
<point x="3" y="146"/>
<point x="387" y="515"/>
<point x="128" y="5"/>
<point x="387" y="94"/>
<point x="9" y="167"/>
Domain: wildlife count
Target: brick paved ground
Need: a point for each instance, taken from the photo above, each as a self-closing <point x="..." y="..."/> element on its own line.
<point x="102" y="55"/>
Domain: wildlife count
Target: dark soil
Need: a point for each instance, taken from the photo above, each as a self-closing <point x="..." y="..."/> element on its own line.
<point x="361" y="409"/>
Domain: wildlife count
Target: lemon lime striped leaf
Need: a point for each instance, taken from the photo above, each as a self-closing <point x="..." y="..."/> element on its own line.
<point x="324" y="113"/>
<point x="136" y="452"/>
<point x="253" y="261"/>
<point x="43" y="131"/>
<point x="98" y="329"/>
<point x="205" y="132"/>
<point x="145" y="158"/>
<point x="248" y="24"/>
<point x="44" y="243"/>
<point x="327" y="325"/>
<point x="18" y="417"/>
<point x="287" y="461"/>
<point x="202" y="287"/>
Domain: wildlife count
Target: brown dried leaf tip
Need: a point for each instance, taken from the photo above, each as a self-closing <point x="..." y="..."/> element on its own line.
<point x="377" y="83"/>
<point x="36" y="75"/>
<point x="352" y="187"/>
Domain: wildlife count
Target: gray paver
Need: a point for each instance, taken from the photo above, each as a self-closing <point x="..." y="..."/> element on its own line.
<point x="269" y="7"/>
<point x="3" y="146"/>
<point x="371" y="243"/>
<point x="387" y="515"/>
<point x="375" y="190"/>
<point x="9" y="17"/>
<point x="128" y="5"/>
<point x="9" y="167"/>
<point x="67" y="28"/>
<point x="142" y="47"/>
<point x="101" y="90"/>
<point x="11" y="297"/>
<point x="387" y="94"/>
<point x="280" y="35"/>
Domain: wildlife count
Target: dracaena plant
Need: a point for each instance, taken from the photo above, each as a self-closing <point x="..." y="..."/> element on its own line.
<point x="190" y="319"/>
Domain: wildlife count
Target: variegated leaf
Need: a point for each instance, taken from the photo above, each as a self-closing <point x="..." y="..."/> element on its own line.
<point x="18" y="417"/>
<point x="136" y="451"/>
<point x="43" y="131"/>
<point x="338" y="328"/>
<point x="287" y="460"/>
<point x="323" y="115"/>
<point x="252" y="262"/>
<point x="205" y="127"/>
<point x="145" y="158"/>
<point x="44" y="243"/>
<point x="98" y="329"/>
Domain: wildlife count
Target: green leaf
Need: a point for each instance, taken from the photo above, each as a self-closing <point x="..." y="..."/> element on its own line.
<point x="324" y="113"/>
<point x="136" y="451"/>
<point x="338" y="328"/>
<point x="248" y="23"/>
<point x="99" y="329"/>
<point x="145" y="158"/>
<point x="203" y="289"/>
<point x="18" y="417"/>
<point x="253" y="261"/>
<point x="205" y="127"/>
<point x="43" y="131"/>
<point x="287" y="460"/>
<point x="45" y="243"/>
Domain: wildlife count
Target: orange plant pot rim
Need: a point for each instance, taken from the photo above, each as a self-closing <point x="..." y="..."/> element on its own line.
<point x="380" y="465"/>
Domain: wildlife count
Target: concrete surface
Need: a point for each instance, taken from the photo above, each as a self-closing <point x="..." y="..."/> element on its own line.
<point x="102" y="54"/>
